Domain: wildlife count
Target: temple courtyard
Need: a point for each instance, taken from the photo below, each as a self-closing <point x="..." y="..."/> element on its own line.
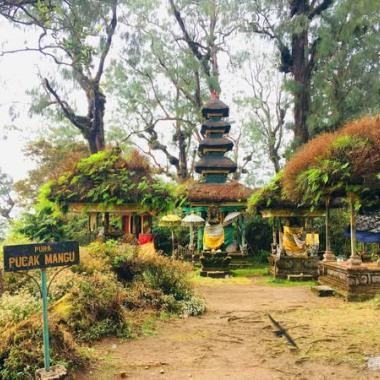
<point x="235" y="338"/>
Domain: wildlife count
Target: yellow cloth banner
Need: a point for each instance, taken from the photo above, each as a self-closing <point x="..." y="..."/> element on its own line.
<point x="213" y="241"/>
<point x="312" y="239"/>
<point x="289" y="243"/>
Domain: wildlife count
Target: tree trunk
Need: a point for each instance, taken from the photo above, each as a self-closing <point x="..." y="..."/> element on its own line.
<point x="95" y="129"/>
<point x="182" y="168"/>
<point x="301" y="76"/>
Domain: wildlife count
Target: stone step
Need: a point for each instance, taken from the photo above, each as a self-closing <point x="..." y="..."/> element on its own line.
<point x="323" y="291"/>
<point x="300" y="277"/>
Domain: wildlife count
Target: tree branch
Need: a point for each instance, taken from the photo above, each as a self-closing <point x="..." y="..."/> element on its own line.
<point x="110" y="32"/>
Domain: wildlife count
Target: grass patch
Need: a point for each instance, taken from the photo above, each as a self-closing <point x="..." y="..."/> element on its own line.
<point x="258" y="270"/>
<point x="341" y="332"/>
<point x="286" y="283"/>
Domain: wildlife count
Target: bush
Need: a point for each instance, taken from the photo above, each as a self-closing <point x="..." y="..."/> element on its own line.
<point x="96" y="308"/>
<point x="194" y="305"/>
<point x="17" y="307"/>
<point x="258" y="234"/>
<point x="21" y="349"/>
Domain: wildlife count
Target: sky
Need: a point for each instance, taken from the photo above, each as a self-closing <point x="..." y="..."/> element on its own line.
<point x="18" y="72"/>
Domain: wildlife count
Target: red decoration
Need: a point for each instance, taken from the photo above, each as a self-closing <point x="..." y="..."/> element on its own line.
<point x="145" y="238"/>
<point x="214" y="95"/>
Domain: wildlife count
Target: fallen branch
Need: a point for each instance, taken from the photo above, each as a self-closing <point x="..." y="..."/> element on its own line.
<point x="282" y="332"/>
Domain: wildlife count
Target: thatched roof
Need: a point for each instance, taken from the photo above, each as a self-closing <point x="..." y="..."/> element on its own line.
<point x="215" y="163"/>
<point x="216" y="142"/>
<point x="220" y="126"/>
<point x="215" y="108"/>
<point x="219" y="192"/>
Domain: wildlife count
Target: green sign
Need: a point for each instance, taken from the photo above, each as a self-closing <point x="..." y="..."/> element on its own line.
<point x="40" y="256"/>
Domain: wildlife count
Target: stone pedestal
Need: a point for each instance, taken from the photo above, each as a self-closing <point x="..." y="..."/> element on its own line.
<point x="354" y="261"/>
<point x="56" y="372"/>
<point x="329" y="256"/>
<point x="355" y="283"/>
<point x="215" y="264"/>
<point x="283" y="266"/>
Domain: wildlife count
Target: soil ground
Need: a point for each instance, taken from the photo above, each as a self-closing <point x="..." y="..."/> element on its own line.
<point x="234" y="339"/>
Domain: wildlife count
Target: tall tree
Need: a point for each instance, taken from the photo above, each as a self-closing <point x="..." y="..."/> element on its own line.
<point x="266" y="105"/>
<point x="77" y="37"/>
<point x="6" y="201"/>
<point x="346" y="82"/>
<point x="293" y="25"/>
<point x="51" y="158"/>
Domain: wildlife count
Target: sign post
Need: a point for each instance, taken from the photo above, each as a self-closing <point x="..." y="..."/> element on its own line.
<point x="45" y="320"/>
<point x="41" y="256"/>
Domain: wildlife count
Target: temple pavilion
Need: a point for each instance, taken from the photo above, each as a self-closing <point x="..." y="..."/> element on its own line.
<point x="119" y="194"/>
<point x="214" y="191"/>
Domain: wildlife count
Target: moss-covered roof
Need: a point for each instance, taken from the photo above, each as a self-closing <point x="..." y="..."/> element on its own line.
<point x="110" y="178"/>
<point x="269" y="197"/>
<point x="337" y="164"/>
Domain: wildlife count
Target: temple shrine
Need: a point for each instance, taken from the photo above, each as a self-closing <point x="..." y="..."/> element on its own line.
<point x="220" y="201"/>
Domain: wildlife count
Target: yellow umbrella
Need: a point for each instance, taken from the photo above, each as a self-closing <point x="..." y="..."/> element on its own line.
<point x="170" y="220"/>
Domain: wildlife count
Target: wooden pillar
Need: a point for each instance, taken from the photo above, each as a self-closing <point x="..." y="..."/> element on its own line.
<point x="142" y="224"/>
<point x="328" y="255"/>
<point x="274" y="237"/>
<point x="106" y="223"/>
<point x="354" y="259"/>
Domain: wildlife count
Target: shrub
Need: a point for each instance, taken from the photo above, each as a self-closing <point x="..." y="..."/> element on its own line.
<point x="21" y="349"/>
<point x="140" y="296"/>
<point x="17" y="307"/>
<point x="169" y="276"/>
<point x="193" y="306"/>
<point x="96" y="309"/>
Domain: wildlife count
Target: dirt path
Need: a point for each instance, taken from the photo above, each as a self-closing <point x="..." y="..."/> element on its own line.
<point x="233" y="340"/>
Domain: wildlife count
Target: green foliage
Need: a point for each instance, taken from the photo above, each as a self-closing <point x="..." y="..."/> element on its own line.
<point x="346" y="85"/>
<point x="269" y="196"/>
<point x="110" y="179"/>
<point x="334" y="174"/>
<point x="48" y="224"/>
<point x="258" y="234"/>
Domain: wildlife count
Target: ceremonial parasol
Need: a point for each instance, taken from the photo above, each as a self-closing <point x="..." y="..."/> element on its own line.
<point x="170" y="220"/>
<point x="231" y="217"/>
<point x="192" y="220"/>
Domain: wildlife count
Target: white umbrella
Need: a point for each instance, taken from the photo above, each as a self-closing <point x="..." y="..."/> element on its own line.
<point x="192" y="220"/>
<point x="231" y="217"/>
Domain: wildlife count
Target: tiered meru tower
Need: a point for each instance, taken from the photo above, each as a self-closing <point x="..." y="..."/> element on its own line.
<point x="214" y="187"/>
<point x="213" y="165"/>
